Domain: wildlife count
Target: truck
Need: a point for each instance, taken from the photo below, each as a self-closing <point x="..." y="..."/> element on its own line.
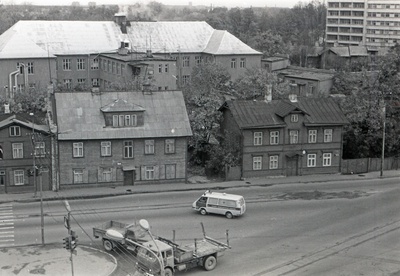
<point x="128" y="231"/>
<point x="161" y="252"/>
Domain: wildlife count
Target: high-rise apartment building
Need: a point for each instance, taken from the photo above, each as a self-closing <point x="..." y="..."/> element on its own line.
<point x="371" y="23"/>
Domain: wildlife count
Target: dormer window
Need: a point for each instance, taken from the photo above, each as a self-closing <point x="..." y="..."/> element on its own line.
<point x="294" y="118"/>
<point x="124" y="120"/>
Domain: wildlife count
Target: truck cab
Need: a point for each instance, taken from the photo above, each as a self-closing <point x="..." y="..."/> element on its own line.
<point x="148" y="261"/>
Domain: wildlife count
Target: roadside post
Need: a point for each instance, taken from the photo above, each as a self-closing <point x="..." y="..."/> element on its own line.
<point x="70" y="242"/>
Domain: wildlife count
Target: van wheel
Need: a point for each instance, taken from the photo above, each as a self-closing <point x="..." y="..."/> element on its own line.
<point x="203" y="212"/>
<point x="210" y="263"/>
<point x="108" y="245"/>
<point x="168" y="272"/>
<point x="228" y="215"/>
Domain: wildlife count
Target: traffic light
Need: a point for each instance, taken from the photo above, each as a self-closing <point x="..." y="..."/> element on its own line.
<point x="67" y="243"/>
<point x="74" y="240"/>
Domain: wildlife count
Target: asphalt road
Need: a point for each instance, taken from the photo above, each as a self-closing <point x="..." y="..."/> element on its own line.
<point x="335" y="228"/>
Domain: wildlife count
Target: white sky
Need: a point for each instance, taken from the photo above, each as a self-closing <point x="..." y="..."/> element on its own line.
<point x="216" y="3"/>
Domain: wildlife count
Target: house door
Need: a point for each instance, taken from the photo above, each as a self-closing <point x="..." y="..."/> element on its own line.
<point x="129" y="177"/>
<point x="291" y="166"/>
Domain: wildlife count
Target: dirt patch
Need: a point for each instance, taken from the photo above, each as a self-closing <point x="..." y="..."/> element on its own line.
<point x="316" y="195"/>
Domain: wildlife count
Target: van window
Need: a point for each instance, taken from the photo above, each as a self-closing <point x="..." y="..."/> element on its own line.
<point x="213" y="201"/>
<point x="227" y="203"/>
<point x="202" y="199"/>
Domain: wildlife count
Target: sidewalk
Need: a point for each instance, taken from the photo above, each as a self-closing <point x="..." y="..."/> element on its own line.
<point x="53" y="259"/>
<point x="86" y="193"/>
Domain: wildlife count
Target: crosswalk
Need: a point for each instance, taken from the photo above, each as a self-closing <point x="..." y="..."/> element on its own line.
<point x="6" y="225"/>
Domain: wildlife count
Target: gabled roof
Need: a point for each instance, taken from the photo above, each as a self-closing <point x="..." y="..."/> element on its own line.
<point x="349" y="51"/>
<point x="261" y="114"/>
<point x="21" y="120"/>
<point x="79" y="115"/>
<point x="306" y="73"/>
<point x="39" y="38"/>
<point x="185" y="37"/>
<point x="121" y="105"/>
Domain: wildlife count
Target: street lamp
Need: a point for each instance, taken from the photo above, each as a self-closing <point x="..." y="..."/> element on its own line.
<point x="33" y="154"/>
<point x="383" y="135"/>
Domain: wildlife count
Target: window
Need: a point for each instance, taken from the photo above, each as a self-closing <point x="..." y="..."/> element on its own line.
<point x="327" y="135"/>
<point x="15" y="131"/>
<point x="66" y="64"/>
<point x="106" y="148"/>
<point x="109" y="66"/>
<point x="311" y="160"/>
<point x="257" y="138"/>
<point x="40" y="150"/>
<point x="274" y="137"/>
<point x="185" y="79"/>
<point x="166" y="68"/>
<point x="121" y="120"/>
<point x="233" y="63"/>
<point x="293" y="137"/>
<point x="81" y="64"/>
<point x="170" y="146"/>
<point x="242" y="63"/>
<point x="95" y="82"/>
<point x="327" y="159"/>
<point x="160" y="68"/>
<point x="170" y="171"/>
<point x="94" y="65"/>
<point x="128" y="149"/>
<point x="18" y="151"/>
<point x="106" y="175"/>
<point x="273" y="162"/>
<point x="149" y="172"/>
<point x="1" y="154"/>
<point x="118" y="69"/>
<point x="122" y="69"/>
<point x="78" y="149"/>
<point x="312" y="136"/>
<point x="20" y="67"/>
<point x="257" y="163"/>
<point x="67" y="83"/>
<point x="81" y="82"/>
<point x="78" y="175"/>
<point x="198" y="60"/>
<point x="185" y="62"/>
<point x="149" y="147"/>
<point x="19" y="177"/>
<point x="127" y="120"/>
<point x="114" y="67"/>
<point x="134" y="120"/>
<point x="30" y="68"/>
<point x="294" y="118"/>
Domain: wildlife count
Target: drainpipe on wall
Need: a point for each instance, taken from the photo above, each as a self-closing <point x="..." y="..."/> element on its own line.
<point x="10" y="83"/>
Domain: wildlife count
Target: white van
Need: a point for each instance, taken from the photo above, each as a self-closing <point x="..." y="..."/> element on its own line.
<point x="220" y="203"/>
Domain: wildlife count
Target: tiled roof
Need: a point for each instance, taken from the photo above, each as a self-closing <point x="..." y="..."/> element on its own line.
<point x="306" y="73"/>
<point x="22" y="120"/>
<point x="261" y="114"/>
<point x="79" y="116"/>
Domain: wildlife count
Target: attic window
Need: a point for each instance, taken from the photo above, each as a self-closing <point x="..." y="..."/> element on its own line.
<point x="294" y="118"/>
<point x="15" y="131"/>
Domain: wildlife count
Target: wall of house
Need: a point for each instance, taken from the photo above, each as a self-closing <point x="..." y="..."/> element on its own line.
<point x="8" y="165"/>
<point x="251" y="62"/>
<point x="40" y="78"/>
<point x="93" y="161"/>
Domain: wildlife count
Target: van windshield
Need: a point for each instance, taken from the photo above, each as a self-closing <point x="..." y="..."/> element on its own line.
<point x="241" y="202"/>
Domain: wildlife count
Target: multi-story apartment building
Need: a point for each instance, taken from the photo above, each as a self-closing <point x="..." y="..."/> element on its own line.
<point x="372" y="23"/>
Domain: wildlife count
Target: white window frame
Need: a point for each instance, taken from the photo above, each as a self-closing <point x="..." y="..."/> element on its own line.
<point x="128" y="120"/>
<point x="257" y="138"/>
<point x="40" y="150"/>
<point x="30" y="68"/>
<point x="80" y="64"/>
<point x="294" y="118"/>
<point x="149" y="147"/>
<point x="273" y="162"/>
<point x="293" y="137"/>
<point x="242" y="63"/>
<point x="134" y="120"/>
<point x="77" y="149"/>
<point x="166" y="68"/>
<point x="257" y="163"/>
<point x="128" y="149"/>
<point x="186" y="61"/>
<point x="105" y="148"/>
<point x="66" y="63"/>
<point x="19" y="177"/>
<point x="327" y="159"/>
<point x="18" y="150"/>
<point x="169" y="146"/>
<point x="312" y="136"/>
<point x="77" y="175"/>
<point x="233" y="63"/>
<point x="94" y="64"/>
<point x="15" y="131"/>
<point x="311" y="160"/>
<point x="274" y="137"/>
<point x="149" y="172"/>
<point x="328" y="133"/>
<point x="115" y="121"/>
<point x="106" y="175"/>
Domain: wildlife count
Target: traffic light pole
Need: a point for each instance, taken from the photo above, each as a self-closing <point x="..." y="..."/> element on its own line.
<point x="68" y="225"/>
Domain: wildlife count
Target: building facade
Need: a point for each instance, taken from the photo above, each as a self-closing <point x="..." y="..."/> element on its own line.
<point x="372" y="23"/>
<point x="286" y="138"/>
<point x="25" y="154"/>
<point x="121" y="138"/>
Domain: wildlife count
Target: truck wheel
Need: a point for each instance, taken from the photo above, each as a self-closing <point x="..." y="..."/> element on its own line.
<point x="229" y="215"/>
<point x="108" y="245"/>
<point x="168" y="272"/>
<point x="203" y="212"/>
<point x="210" y="263"/>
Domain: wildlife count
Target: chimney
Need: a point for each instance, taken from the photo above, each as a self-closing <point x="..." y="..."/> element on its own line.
<point x="268" y="93"/>
<point x="120" y="19"/>
<point x="149" y="54"/>
<point x="7" y="108"/>
<point x="293" y="98"/>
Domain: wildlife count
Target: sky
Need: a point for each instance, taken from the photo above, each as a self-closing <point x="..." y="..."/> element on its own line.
<point x="215" y="3"/>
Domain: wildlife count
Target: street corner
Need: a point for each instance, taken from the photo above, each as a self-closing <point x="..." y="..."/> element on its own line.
<point x="53" y="259"/>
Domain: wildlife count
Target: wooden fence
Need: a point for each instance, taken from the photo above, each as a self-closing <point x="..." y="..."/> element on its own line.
<point x="364" y="165"/>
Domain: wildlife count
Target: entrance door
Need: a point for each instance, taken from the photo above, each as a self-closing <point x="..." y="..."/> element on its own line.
<point x="129" y="177"/>
<point x="291" y="166"/>
<point x="2" y="181"/>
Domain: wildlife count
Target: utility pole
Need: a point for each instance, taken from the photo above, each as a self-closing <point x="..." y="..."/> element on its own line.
<point x="383" y="135"/>
<point x="41" y="206"/>
<point x="33" y="154"/>
<point x="70" y="242"/>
